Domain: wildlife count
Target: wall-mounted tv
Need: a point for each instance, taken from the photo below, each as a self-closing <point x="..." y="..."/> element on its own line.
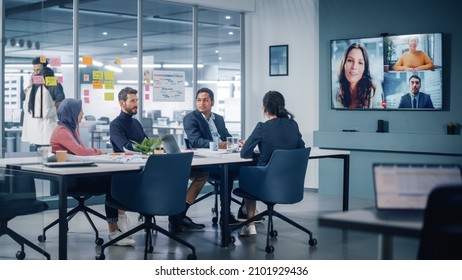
<point x="400" y="72"/>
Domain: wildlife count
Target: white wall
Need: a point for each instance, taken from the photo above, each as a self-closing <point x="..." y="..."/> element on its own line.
<point x="280" y="22"/>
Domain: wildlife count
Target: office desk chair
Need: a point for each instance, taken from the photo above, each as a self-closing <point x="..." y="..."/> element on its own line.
<point x="158" y="190"/>
<point x="441" y="236"/>
<point x="18" y="198"/>
<point x="215" y="181"/>
<point x="281" y="181"/>
<point x="81" y="194"/>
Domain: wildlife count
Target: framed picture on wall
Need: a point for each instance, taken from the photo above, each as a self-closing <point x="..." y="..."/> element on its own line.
<point x="279" y="60"/>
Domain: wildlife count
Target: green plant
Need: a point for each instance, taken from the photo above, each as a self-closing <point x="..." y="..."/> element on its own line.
<point x="452" y="124"/>
<point x="389" y="49"/>
<point x="147" y="146"/>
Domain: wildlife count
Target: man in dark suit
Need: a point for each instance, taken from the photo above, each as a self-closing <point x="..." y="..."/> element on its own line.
<point x="415" y="99"/>
<point x="202" y="126"/>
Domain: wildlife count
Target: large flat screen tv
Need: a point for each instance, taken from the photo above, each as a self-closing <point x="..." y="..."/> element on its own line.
<point x="401" y="72"/>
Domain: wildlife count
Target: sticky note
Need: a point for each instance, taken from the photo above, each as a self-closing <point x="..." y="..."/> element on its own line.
<point x="97" y="84"/>
<point x="38" y="80"/>
<point x="97" y="75"/>
<point x="43" y="59"/>
<point x="86" y="100"/>
<point x="87" y="60"/>
<point x="117" y="60"/>
<point x="109" y="84"/>
<point x="55" y="61"/>
<point x="86" y="77"/>
<point x="86" y="92"/>
<point x="50" y="81"/>
<point x="109" y="75"/>
<point x="108" y="96"/>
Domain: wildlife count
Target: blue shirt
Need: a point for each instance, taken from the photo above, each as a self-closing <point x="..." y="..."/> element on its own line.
<point x="123" y="129"/>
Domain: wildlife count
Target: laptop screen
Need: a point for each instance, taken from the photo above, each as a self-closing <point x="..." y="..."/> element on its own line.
<point x="170" y="144"/>
<point x="407" y="186"/>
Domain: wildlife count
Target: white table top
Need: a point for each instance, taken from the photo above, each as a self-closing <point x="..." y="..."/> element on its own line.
<point x="115" y="162"/>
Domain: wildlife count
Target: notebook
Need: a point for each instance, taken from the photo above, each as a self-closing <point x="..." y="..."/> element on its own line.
<point x="170" y="144"/>
<point x="401" y="190"/>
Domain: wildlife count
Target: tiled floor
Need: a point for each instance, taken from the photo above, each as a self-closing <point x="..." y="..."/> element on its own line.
<point x="291" y="244"/>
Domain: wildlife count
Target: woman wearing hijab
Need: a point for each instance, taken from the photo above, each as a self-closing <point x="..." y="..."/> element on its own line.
<point x="66" y="136"/>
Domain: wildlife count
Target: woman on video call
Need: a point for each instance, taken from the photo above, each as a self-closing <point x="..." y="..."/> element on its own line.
<point x="356" y="88"/>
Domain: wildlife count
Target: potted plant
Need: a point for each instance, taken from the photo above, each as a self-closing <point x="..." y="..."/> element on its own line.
<point x="148" y="146"/>
<point x="451" y="128"/>
<point x="389" y="49"/>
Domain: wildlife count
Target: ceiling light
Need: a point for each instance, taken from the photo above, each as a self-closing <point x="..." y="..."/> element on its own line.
<point x="230" y="33"/>
<point x="104" y="33"/>
<point x="227" y="17"/>
<point x="125" y="44"/>
<point x="181" y="65"/>
<point x="113" y="68"/>
<point x="217" y="51"/>
<point x="125" y="65"/>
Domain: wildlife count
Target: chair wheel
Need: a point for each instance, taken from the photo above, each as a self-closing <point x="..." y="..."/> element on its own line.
<point x="150" y="249"/>
<point x="99" y="241"/>
<point x="232" y="239"/>
<point x="274" y="233"/>
<point x="100" y="257"/>
<point x="20" y="255"/>
<point x="214" y="220"/>
<point x="42" y="238"/>
<point x="192" y="257"/>
<point x="269" y="249"/>
<point x="313" y="242"/>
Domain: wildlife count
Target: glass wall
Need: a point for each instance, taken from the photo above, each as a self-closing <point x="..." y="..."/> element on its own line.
<point x="108" y="57"/>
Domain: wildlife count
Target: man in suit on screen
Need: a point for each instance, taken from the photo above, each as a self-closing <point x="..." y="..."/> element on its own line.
<point x="415" y="99"/>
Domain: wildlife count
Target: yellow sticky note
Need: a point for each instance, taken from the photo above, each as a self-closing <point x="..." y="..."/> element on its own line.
<point x="108" y="96"/>
<point x="87" y="60"/>
<point x="50" y="81"/>
<point x="109" y="84"/>
<point x="109" y="75"/>
<point x="117" y="60"/>
<point x="97" y="75"/>
<point x="97" y="84"/>
<point x="43" y="59"/>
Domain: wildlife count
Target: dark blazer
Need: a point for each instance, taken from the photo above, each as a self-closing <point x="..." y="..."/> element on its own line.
<point x="198" y="131"/>
<point x="425" y="101"/>
<point x="279" y="133"/>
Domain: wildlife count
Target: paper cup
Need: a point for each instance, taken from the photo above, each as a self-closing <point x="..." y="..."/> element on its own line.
<point x="61" y="155"/>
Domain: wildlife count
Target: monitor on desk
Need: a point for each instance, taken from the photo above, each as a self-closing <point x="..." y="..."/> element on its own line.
<point x="407" y="186"/>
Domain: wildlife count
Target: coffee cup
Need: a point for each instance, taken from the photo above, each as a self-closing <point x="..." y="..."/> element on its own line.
<point x="213" y="146"/>
<point x="61" y="155"/>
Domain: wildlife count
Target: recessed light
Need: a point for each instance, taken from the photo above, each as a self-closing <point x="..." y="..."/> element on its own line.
<point x="104" y="33"/>
<point x="231" y="33"/>
<point x="217" y="51"/>
<point x="227" y="17"/>
<point x="125" y="44"/>
<point x="219" y="58"/>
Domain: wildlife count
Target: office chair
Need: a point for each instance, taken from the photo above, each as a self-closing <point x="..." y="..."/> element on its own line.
<point x="90" y="118"/>
<point x="80" y="194"/>
<point x="104" y="120"/>
<point x="18" y="198"/>
<point x="281" y="181"/>
<point x="158" y="190"/>
<point x="147" y="123"/>
<point x="215" y="181"/>
<point x="441" y="236"/>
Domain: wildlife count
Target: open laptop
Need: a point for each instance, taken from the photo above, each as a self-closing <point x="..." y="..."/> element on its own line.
<point x="170" y="144"/>
<point x="401" y="190"/>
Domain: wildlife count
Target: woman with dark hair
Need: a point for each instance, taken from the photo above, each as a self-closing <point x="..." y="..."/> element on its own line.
<point x="356" y="86"/>
<point x="280" y="131"/>
<point x="66" y="136"/>
<point x="39" y="112"/>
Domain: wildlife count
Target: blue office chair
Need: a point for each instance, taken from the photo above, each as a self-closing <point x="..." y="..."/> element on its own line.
<point x="18" y="198"/>
<point x="84" y="190"/>
<point x="158" y="190"/>
<point x="441" y="236"/>
<point x="281" y="181"/>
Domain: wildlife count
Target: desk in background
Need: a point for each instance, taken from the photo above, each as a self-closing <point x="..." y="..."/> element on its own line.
<point x="366" y="220"/>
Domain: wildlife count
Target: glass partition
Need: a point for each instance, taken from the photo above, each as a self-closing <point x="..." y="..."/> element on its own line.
<point x="219" y="52"/>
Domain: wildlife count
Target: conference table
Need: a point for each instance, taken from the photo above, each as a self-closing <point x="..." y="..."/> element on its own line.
<point x="118" y="163"/>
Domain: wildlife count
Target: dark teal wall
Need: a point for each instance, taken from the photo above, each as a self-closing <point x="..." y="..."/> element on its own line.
<point x="365" y="18"/>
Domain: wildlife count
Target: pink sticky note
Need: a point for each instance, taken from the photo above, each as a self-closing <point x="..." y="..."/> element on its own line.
<point x="86" y="92"/>
<point x="55" y="61"/>
<point x="146" y="88"/>
<point x="38" y="80"/>
<point x="86" y="100"/>
<point x="146" y="96"/>
<point x="60" y="79"/>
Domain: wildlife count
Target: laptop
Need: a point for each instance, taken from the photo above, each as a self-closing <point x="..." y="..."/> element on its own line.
<point x="401" y="190"/>
<point x="170" y="144"/>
